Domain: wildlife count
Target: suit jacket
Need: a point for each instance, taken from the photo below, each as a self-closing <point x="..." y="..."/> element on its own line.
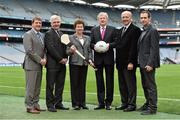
<point x="108" y="57"/>
<point x="34" y="51"/>
<point x="148" y="48"/>
<point x="84" y="49"/>
<point x="56" y="51"/>
<point x="126" y="48"/>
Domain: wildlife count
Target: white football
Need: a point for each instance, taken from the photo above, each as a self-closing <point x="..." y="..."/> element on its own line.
<point x="101" y="47"/>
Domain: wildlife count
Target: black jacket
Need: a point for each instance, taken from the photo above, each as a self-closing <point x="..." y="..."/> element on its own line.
<point x="126" y="48"/>
<point x="56" y="51"/>
<point x="106" y="58"/>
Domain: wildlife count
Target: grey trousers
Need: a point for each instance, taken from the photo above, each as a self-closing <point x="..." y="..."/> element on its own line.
<point x="33" y="87"/>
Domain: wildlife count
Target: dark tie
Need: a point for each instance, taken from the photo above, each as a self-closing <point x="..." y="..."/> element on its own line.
<point x="123" y="31"/>
<point x="57" y="32"/>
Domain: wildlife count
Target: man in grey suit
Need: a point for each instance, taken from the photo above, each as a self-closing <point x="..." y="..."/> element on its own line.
<point x="149" y="60"/>
<point x="33" y="62"/>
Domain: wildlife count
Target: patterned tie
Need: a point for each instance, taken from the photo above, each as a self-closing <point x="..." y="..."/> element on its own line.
<point x="102" y="32"/>
<point x="39" y="37"/>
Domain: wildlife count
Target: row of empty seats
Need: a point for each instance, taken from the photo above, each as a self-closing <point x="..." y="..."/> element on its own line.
<point x="27" y="9"/>
<point x="11" y="53"/>
<point x="170" y="53"/>
<point x="14" y="53"/>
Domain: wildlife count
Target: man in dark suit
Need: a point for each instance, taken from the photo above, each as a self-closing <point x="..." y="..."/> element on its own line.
<point x="149" y="60"/>
<point x="56" y="66"/>
<point x="126" y="61"/>
<point x="34" y="60"/>
<point x="104" y="32"/>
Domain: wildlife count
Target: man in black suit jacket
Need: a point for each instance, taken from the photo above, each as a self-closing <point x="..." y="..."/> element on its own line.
<point x="149" y="60"/>
<point x="126" y="61"/>
<point x="56" y="69"/>
<point x="104" y="60"/>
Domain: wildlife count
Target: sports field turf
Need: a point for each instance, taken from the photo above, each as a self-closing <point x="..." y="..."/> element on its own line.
<point x="13" y="109"/>
<point x="168" y="81"/>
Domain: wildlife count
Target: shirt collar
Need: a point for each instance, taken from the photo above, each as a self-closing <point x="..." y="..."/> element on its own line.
<point x="77" y="37"/>
<point x="127" y="25"/>
<point x="103" y="27"/>
<point x="35" y="31"/>
<point x="147" y="27"/>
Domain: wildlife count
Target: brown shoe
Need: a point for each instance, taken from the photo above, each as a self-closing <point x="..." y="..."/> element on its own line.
<point x="39" y="109"/>
<point x="33" y="111"/>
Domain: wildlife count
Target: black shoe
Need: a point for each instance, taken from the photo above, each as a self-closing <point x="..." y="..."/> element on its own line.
<point x="121" y="107"/>
<point x="148" y="112"/>
<point x="99" y="107"/>
<point x="77" y="108"/>
<point x="143" y="108"/>
<point x="62" y="108"/>
<point x="52" y="109"/>
<point x="129" y="109"/>
<point x="85" y="107"/>
<point x="108" y="107"/>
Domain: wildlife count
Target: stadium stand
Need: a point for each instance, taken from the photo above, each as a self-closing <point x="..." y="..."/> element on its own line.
<point x="70" y="11"/>
<point x="11" y="54"/>
<point x="16" y="15"/>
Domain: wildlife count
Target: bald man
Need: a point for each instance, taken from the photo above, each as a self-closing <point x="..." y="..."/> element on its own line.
<point x="126" y="62"/>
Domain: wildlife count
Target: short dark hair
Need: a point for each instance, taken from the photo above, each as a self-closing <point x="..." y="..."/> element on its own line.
<point x="147" y="12"/>
<point x="36" y="18"/>
<point x="78" y="21"/>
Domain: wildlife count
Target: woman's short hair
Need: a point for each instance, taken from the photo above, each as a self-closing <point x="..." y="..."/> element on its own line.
<point x="78" y="21"/>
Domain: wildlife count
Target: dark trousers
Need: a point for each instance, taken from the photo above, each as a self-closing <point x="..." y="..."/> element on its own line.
<point x="109" y="75"/>
<point x="78" y="75"/>
<point x="150" y="88"/>
<point x="127" y="86"/>
<point x="54" y="86"/>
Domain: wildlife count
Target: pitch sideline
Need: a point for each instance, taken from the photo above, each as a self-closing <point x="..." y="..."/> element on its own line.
<point x="89" y="93"/>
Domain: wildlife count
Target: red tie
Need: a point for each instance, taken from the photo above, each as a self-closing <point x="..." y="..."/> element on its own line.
<point x="102" y="32"/>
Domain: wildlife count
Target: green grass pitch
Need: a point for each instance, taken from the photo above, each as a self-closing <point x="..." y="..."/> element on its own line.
<point x="12" y="82"/>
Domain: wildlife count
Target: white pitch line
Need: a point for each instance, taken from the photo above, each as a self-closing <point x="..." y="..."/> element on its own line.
<point x="90" y="93"/>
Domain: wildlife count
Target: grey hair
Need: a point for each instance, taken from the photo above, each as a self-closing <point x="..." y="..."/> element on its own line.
<point x="53" y="17"/>
<point x="127" y="12"/>
<point x="102" y="13"/>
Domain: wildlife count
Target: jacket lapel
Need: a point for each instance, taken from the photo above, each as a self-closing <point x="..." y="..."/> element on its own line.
<point x="128" y="29"/>
<point x="144" y="33"/>
<point x="99" y="33"/>
<point x="85" y="41"/>
<point x="77" y="40"/>
<point x="35" y="38"/>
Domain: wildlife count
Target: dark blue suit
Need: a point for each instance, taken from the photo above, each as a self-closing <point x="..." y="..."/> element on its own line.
<point x="104" y="60"/>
